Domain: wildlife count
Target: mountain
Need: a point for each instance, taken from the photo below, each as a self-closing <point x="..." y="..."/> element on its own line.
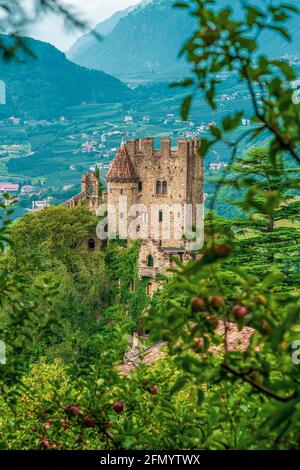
<point x="43" y="86"/>
<point x="145" y="41"/>
<point x="103" y="29"/>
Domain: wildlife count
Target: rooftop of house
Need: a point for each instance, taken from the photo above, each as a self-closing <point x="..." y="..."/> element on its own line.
<point x="9" y="187"/>
<point x="237" y="340"/>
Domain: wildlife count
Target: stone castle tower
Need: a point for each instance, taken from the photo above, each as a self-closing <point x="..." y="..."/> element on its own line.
<point x="148" y="177"/>
<point x="90" y="193"/>
<point x="90" y="186"/>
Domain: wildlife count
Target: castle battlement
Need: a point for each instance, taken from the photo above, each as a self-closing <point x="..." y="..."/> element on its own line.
<point x="145" y="147"/>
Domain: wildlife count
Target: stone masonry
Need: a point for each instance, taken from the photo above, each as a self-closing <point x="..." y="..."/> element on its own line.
<point x="149" y="176"/>
<point x="90" y="193"/>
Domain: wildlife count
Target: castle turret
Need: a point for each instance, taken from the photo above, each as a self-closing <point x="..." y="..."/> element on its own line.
<point x="122" y="188"/>
<point x="121" y="168"/>
<point x="90" y="187"/>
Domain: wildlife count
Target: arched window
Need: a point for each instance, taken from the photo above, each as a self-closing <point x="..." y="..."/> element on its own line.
<point x="150" y="261"/>
<point x="91" y="244"/>
<point x="165" y="187"/>
<point x="149" y="288"/>
<point x="90" y="189"/>
<point x="158" y="187"/>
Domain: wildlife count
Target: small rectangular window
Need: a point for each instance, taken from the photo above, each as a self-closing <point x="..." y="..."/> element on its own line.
<point x="140" y="186"/>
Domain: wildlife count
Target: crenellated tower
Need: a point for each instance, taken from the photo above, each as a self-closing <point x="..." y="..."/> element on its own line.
<point x="160" y="177"/>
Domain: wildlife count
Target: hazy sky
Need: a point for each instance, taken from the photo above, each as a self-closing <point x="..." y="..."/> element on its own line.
<point x="52" y="29"/>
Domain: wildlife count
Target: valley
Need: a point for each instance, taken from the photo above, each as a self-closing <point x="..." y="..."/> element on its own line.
<point x="53" y="153"/>
<point x="60" y="119"/>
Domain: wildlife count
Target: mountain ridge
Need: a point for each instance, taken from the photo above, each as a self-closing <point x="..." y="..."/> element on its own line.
<point x="46" y="84"/>
<point x="137" y="31"/>
<point x="147" y="40"/>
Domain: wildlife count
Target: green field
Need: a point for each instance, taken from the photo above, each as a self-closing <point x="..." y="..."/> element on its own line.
<point x="58" y="158"/>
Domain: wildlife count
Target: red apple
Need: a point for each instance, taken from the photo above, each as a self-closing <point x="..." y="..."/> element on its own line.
<point x="240" y="311"/>
<point x="72" y="410"/>
<point x="118" y="406"/>
<point x="198" y="304"/>
<point x="217" y="301"/>
<point x="89" y="422"/>
<point x="153" y="389"/>
<point x="223" y="250"/>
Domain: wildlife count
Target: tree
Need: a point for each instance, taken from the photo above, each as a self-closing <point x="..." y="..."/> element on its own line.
<point x="28" y="307"/>
<point x="215" y="291"/>
<point x="54" y="230"/>
<point x="270" y="188"/>
<point x="223" y="43"/>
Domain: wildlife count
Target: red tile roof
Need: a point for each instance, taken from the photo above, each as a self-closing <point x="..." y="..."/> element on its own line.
<point x="148" y="356"/>
<point x="237" y="340"/>
<point x="9" y="187"/>
<point x="122" y="169"/>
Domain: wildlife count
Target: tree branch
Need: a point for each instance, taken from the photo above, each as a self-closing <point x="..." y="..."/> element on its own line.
<point x="257" y="386"/>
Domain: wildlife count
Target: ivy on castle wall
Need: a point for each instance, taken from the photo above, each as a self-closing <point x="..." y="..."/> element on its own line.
<point x="122" y="262"/>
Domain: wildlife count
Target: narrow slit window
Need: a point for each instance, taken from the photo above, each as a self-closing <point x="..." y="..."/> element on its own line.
<point x="150" y="261"/>
<point x="165" y="187"/>
<point x="91" y="244"/>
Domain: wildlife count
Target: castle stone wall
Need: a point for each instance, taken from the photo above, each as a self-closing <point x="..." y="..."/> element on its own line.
<point x="178" y="172"/>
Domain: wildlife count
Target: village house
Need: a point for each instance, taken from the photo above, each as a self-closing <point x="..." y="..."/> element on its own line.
<point x="9" y="188"/>
<point x="217" y="166"/>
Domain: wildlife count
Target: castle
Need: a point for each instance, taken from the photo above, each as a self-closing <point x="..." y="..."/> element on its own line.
<point x="149" y="177"/>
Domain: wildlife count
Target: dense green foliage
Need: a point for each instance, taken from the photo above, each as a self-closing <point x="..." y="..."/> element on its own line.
<point x="233" y="282"/>
<point x="66" y="312"/>
<point x="52" y="245"/>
